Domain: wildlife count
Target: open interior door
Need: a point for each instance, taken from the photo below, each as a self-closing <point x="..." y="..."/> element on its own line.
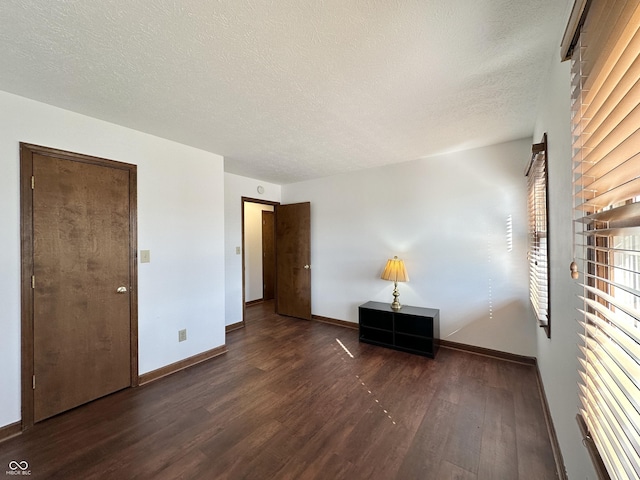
<point x="293" y="260"/>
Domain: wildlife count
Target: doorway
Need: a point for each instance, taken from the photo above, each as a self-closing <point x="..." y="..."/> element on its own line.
<point x="259" y="252"/>
<point x="253" y="207"/>
<point x="79" y="280"/>
<point x="292" y="263"/>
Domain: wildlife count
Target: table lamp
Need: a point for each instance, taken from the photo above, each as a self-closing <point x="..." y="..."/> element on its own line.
<point x="395" y="272"/>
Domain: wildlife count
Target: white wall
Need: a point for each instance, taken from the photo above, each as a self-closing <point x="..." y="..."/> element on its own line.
<point x="180" y="219"/>
<point x="253" y="281"/>
<point x="557" y="357"/>
<point x="446" y="216"/>
<point x="236" y="187"/>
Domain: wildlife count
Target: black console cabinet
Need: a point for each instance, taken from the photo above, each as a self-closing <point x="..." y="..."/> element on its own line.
<point x="410" y="329"/>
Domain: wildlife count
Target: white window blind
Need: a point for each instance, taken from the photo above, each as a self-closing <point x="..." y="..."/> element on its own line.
<point x="606" y="167"/>
<point x="536" y="173"/>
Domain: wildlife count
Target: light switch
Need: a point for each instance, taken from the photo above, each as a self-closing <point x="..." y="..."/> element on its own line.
<point x="145" y="256"/>
<point x="238" y="251"/>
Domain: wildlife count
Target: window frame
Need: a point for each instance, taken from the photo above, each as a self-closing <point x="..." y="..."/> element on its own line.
<point x="538" y="229"/>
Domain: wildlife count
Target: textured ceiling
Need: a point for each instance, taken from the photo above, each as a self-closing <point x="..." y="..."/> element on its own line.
<point x="289" y="90"/>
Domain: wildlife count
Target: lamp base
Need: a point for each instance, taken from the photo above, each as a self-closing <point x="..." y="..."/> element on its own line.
<point x="395" y="305"/>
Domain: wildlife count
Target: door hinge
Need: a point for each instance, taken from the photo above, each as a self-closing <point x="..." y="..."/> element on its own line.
<point x="33" y="382"/>
<point x="33" y="281"/>
<point x="33" y="182"/>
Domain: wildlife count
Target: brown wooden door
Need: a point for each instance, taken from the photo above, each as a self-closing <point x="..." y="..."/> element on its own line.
<point x="268" y="255"/>
<point x="81" y="257"/>
<point x="293" y="260"/>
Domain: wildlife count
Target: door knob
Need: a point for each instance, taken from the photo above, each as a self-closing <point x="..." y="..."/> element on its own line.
<point x="307" y="267"/>
<point x="121" y="290"/>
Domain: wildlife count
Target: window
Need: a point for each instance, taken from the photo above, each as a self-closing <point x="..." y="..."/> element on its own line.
<point x="538" y="230"/>
<point x="606" y="166"/>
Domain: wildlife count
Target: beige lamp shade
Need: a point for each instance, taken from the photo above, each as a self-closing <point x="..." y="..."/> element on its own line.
<point x="395" y="271"/>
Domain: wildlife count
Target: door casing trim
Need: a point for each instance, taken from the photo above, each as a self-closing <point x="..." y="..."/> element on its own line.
<point x="26" y="264"/>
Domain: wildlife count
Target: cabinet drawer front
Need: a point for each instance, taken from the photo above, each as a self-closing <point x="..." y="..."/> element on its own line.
<point x="414" y="325"/>
<point x="376" y="319"/>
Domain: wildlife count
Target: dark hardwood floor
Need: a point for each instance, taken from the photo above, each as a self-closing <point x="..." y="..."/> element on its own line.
<point x="289" y="402"/>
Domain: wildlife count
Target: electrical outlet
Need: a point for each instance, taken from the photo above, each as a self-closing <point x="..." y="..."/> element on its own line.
<point x="238" y="250"/>
<point x="182" y="335"/>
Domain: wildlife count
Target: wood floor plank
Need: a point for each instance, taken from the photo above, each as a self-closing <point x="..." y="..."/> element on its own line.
<point x="499" y="453"/>
<point x="464" y="444"/>
<point x="453" y="472"/>
<point x="289" y="402"/>
<point x="426" y="451"/>
<point x="531" y="433"/>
